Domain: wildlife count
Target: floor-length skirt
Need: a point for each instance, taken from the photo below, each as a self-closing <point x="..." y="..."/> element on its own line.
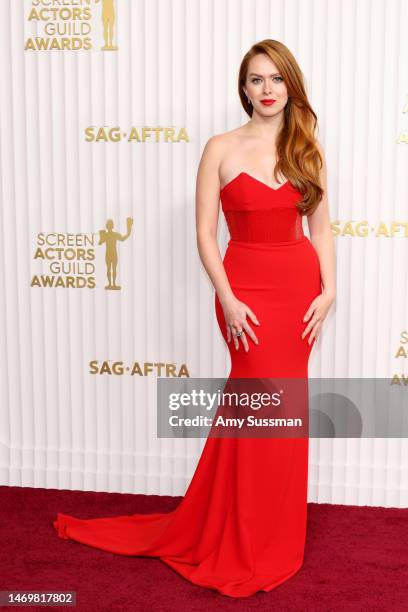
<point x="241" y="525"/>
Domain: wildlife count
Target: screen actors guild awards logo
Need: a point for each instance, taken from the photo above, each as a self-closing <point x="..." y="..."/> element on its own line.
<point x="68" y="25"/>
<point x="70" y="259"/>
<point x="108" y="21"/>
<point x="110" y="238"/>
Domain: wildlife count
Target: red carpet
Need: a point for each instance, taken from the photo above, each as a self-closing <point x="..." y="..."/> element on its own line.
<point x="356" y="559"/>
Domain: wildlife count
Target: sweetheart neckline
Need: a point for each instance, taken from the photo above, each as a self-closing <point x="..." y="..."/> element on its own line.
<point x="254" y="179"/>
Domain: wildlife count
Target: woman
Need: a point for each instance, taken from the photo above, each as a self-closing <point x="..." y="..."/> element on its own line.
<point x="241" y="525"/>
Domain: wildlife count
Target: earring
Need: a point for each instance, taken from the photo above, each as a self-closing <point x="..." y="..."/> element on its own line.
<point x="249" y="101"/>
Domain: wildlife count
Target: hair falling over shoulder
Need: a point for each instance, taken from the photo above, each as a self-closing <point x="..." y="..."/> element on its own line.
<point x="298" y="157"/>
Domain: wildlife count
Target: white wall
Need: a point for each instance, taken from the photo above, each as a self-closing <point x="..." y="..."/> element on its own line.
<point x="176" y="66"/>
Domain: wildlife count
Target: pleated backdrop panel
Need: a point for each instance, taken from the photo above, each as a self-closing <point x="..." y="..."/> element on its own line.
<point x="104" y="135"/>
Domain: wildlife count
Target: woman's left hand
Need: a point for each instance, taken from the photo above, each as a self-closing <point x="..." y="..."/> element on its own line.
<point x="318" y="310"/>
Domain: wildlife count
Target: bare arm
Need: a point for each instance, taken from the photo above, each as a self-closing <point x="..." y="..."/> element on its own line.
<point x="207" y="214"/>
<point x="321" y="236"/>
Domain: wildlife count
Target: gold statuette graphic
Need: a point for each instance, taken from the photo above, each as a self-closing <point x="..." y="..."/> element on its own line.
<point x="110" y="238"/>
<point x="108" y="20"/>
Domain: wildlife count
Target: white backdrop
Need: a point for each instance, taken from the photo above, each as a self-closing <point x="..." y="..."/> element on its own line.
<point x="90" y="134"/>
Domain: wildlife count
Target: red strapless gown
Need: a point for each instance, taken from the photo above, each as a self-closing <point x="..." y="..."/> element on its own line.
<point x="241" y="525"/>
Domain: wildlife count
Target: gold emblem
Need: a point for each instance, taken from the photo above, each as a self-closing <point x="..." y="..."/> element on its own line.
<point x="110" y="238"/>
<point x="108" y="21"/>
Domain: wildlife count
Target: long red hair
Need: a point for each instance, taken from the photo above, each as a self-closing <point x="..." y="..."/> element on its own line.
<point x="298" y="157"/>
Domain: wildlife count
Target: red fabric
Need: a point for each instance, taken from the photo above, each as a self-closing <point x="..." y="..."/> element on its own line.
<point x="241" y="525"/>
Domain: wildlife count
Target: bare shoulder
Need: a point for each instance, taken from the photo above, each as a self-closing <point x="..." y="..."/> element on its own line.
<point x="218" y="143"/>
<point x="214" y="145"/>
<point x="218" y="146"/>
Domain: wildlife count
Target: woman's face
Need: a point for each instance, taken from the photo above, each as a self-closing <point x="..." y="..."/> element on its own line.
<point x="264" y="82"/>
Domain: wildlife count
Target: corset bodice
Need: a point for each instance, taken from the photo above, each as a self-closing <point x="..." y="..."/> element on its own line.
<point x="255" y="212"/>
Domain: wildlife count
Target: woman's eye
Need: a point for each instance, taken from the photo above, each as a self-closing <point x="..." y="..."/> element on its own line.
<point x="257" y="79"/>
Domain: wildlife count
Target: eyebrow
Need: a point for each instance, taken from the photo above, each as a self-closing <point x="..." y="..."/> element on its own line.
<point x="254" y="74"/>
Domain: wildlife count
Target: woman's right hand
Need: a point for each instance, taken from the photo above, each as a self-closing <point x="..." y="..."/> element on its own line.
<point x="235" y="313"/>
